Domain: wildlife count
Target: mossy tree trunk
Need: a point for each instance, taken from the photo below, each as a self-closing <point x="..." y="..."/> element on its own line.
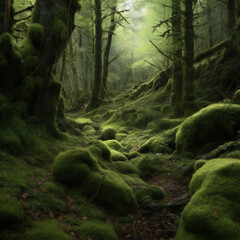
<point x="97" y="68"/>
<point x="176" y="95"/>
<point x="210" y="27"/>
<point x="57" y="18"/>
<point x="232" y="14"/>
<point x="6" y="16"/>
<point x="106" y="54"/>
<point x="188" y="70"/>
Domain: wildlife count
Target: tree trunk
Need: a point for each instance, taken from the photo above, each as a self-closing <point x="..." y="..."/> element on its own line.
<point x="176" y="95"/>
<point x="188" y="70"/>
<point x="209" y="19"/>
<point x="57" y="18"/>
<point x="97" y="68"/>
<point x="106" y="54"/>
<point x="232" y="21"/>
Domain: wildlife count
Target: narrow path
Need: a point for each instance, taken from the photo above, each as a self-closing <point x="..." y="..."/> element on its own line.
<point x="160" y="220"/>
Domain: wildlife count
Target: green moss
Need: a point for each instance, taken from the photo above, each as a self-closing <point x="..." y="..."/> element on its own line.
<point x="213" y="210"/>
<point x="6" y="108"/>
<point x="236" y="97"/>
<point x="47" y="230"/>
<point x="108" y="133"/>
<point x="113" y="191"/>
<point x="79" y="168"/>
<point x="214" y="123"/>
<point x="120" y="136"/>
<point x="73" y="165"/>
<point x="60" y="30"/>
<point x="36" y="34"/>
<point x="96" y="231"/>
<point x="27" y="49"/>
<point x="146" y="194"/>
<point x="148" y="165"/>
<point x="54" y="189"/>
<point x="89" y="130"/>
<point x="133" y="155"/>
<point x="11" y="211"/>
<point x="198" y="164"/>
<point x="125" y="168"/>
<point x="117" y="156"/>
<point x="100" y="150"/>
<point x="114" y="144"/>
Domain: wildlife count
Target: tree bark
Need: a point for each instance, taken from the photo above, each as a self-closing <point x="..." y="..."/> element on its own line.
<point x="232" y="19"/>
<point x="106" y="54"/>
<point x="97" y="66"/>
<point x="188" y="70"/>
<point x="176" y="94"/>
<point x="49" y="13"/>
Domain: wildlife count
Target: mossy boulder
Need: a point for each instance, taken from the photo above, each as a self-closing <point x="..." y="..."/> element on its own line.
<point x="114" y="144"/>
<point x="96" y="231"/>
<point x="78" y="168"/>
<point x="36" y="34"/>
<point x="47" y="230"/>
<point x="108" y="133"/>
<point x="120" y="136"/>
<point x="236" y="97"/>
<point x="214" y="208"/>
<point x="73" y="166"/>
<point x="125" y="168"/>
<point x="11" y="211"/>
<point x="100" y="150"/>
<point x="211" y="125"/>
<point x="89" y="130"/>
<point x="117" y="156"/>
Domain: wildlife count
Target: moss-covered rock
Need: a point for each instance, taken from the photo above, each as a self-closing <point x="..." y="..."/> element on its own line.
<point x="117" y="156"/>
<point x="146" y="194"/>
<point x="47" y="230"/>
<point x="212" y="124"/>
<point x="73" y="166"/>
<point x="96" y="231"/>
<point x="80" y="169"/>
<point x="214" y="209"/>
<point x="125" y="167"/>
<point x="89" y="130"/>
<point x="100" y="150"/>
<point x="120" y="136"/>
<point x="108" y="133"/>
<point x="114" y="144"/>
<point x="11" y="211"/>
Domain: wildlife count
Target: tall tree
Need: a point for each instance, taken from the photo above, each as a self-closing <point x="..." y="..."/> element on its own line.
<point x="188" y="70"/>
<point x="232" y="12"/>
<point x="107" y="52"/>
<point x="176" y="96"/>
<point x="97" y="67"/>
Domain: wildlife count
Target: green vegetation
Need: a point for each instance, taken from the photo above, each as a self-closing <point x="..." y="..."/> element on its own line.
<point x="214" y="207"/>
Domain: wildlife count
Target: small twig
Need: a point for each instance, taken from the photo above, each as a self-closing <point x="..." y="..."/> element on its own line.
<point x="160" y="50"/>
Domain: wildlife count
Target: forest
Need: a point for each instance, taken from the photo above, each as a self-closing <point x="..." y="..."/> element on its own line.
<point x="119" y="119"/>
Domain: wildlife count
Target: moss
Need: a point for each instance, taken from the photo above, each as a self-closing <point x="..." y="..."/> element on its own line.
<point x="198" y="164"/>
<point x="147" y="166"/>
<point x="89" y="130"/>
<point x="60" y="30"/>
<point x="134" y="155"/>
<point x="96" y="231"/>
<point x="5" y="107"/>
<point x="114" y="144"/>
<point x="73" y="165"/>
<point x="27" y="49"/>
<point x="113" y="191"/>
<point x="79" y="168"/>
<point x="120" y="136"/>
<point x="125" y="168"/>
<point x="146" y="194"/>
<point x="108" y="133"/>
<point x="36" y="34"/>
<point x="46" y="230"/>
<point x="213" y="210"/>
<point x="11" y="211"/>
<point x="117" y="156"/>
<point x="54" y="189"/>
<point x="100" y="150"/>
<point x="214" y="123"/>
